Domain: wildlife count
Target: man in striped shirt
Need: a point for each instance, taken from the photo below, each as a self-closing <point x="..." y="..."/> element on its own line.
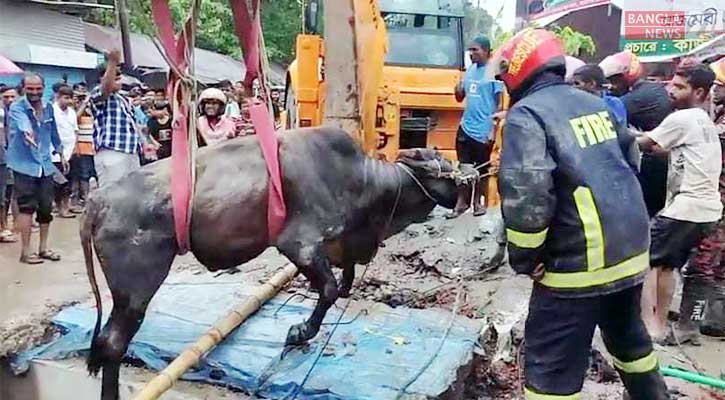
<point x="81" y="164"/>
<point x="115" y="136"/>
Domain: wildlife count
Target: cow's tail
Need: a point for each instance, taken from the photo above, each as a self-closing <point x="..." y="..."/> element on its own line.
<point x="95" y="361"/>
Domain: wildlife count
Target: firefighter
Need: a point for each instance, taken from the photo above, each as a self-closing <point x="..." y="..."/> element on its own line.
<point x="576" y="223"/>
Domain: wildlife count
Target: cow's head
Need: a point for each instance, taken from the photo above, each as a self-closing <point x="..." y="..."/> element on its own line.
<point x="437" y="176"/>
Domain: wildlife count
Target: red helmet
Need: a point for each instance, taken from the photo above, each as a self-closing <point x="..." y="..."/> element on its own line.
<point x="625" y="63"/>
<point x="526" y="54"/>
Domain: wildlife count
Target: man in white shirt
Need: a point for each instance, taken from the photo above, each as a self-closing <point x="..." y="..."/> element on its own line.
<point x="67" y="123"/>
<point x="693" y="204"/>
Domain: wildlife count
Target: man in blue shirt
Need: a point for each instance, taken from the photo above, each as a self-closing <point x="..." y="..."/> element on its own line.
<point x="139" y="114"/>
<point x="474" y="139"/>
<point x="590" y="78"/>
<point x="32" y="132"/>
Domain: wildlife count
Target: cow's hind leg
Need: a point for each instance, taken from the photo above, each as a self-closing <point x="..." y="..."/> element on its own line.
<point x="112" y="344"/>
<point x="315" y="266"/>
<point x="133" y="277"/>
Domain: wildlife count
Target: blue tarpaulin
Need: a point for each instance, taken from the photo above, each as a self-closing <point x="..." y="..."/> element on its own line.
<point x="368" y="358"/>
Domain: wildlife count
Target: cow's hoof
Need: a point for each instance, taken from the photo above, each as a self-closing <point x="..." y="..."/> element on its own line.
<point x="343" y="292"/>
<point x="298" y="334"/>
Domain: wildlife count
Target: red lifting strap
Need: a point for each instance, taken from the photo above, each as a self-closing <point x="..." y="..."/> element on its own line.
<point x="276" y="208"/>
<point x="181" y="180"/>
<point x="248" y="31"/>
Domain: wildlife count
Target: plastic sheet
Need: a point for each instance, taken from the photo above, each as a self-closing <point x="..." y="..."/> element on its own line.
<point x="369" y="358"/>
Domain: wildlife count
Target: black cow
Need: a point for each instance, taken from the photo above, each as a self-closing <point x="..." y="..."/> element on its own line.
<point x="340" y="204"/>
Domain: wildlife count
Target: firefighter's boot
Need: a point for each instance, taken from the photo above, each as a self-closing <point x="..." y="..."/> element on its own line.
<point x="713" y="323"/>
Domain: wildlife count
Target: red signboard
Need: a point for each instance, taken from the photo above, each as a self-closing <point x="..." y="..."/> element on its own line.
<point x="543" y="8"/>
<point x="654" y="25"/>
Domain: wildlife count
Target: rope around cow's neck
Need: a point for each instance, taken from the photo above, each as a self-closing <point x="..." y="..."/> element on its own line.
<point x="389" y="222"/>
<point x="415" y="179"/>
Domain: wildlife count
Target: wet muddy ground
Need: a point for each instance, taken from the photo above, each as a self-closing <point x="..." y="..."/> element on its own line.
<point x="424" y="266"/>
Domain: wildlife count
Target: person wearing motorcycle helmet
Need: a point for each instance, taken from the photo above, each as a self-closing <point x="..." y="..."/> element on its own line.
<point x="647" y="105"/>
<point x="213" y="126"/>
<point x="567" y="190"/>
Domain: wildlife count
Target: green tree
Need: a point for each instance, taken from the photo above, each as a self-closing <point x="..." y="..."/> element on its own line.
<point x="281" y="22"/>
<point x="499" y="36"/>
<point x="575" y="43"/>
<point x="476" y="20"/>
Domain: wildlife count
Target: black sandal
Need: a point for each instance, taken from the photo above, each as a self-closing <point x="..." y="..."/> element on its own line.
<point x="49" y="255"/>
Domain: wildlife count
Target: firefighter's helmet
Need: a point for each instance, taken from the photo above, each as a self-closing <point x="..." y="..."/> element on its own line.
<point x="525" y="55"/>
<point x="625" y="63"/>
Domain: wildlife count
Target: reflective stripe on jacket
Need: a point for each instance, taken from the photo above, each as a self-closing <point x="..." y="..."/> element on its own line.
<point x="570" y="197"/>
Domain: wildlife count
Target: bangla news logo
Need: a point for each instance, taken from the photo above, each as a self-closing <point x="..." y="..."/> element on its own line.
<point x="667" y="25"/>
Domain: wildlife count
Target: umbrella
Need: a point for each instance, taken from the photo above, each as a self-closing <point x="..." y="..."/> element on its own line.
<point x="7" y="67"/>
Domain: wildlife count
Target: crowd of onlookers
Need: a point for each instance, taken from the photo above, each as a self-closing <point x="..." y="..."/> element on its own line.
<point x="53" y="152"/>
<point x="679" y="125"/>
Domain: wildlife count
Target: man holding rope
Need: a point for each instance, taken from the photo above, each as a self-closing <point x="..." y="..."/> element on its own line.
<point x="474" y="140"/>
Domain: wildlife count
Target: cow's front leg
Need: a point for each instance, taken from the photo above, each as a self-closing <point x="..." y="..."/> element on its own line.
<point x="321" y="279"/>
<point x="348" y="277"/>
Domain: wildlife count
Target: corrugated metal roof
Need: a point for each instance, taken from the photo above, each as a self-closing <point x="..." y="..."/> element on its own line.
<point x="27" y="23"/>
<point x="210" y="67"/>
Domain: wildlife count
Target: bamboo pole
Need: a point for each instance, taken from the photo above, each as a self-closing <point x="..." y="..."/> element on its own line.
<point x="191" y="356"/>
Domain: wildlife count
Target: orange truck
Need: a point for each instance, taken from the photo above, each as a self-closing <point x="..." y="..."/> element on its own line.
<point x="421" y="55"/>
<point x="385" y="71"/>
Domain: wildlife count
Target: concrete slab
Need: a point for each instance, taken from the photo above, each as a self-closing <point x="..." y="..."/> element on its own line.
<point x="68" y="379"/>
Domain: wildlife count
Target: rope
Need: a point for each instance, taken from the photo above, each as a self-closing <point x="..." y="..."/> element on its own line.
<point x="338" y="323"/>
<point x="299" y="388"/>
<point x="443" y="339"/>
<point x="304" y="296"/>
<point x="362" y="312"/>
<point x="386" y="227"/>
<point x="486" y="164"/>
<point x="415" y="179"/>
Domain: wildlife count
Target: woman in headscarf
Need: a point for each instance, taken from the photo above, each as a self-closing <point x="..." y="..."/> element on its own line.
<point x="213" y="126"/>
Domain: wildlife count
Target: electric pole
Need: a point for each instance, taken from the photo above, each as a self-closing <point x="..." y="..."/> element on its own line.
<point x="125" y="35"/>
